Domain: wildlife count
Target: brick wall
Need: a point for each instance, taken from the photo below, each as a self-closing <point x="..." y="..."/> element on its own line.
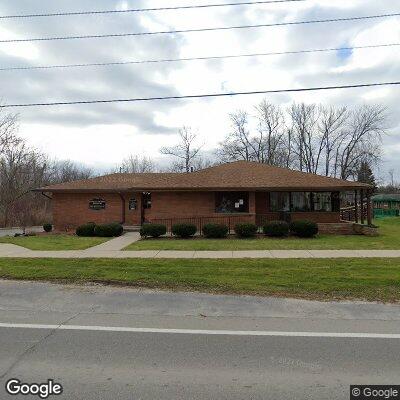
<point x="186" y="204"/>
<point x="317" y="216"/>
<point x="72" y="209"/>
<point x="180" y="204"/>
<point x="342" y="228"/>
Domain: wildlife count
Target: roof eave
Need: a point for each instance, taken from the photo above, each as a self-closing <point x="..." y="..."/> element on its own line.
<point x="341" y="188"/>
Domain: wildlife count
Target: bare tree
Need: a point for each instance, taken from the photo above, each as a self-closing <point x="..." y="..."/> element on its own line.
<point x="331" y="126"/>
<point x="66" y="171"/>
<point x="237" y="145"/>
<point x="269" y="145"/>
<point x="333" y="141"/>
<point x="137" y="164"/>
<point x="266" y="145"/>
<point x="186" y="150"/>
<point x="307" y="142"/>
<point x="8" y="129"/>
<point x="361" y="141"/>
<point x="391" y="177"/>
<point x="21" y="170"/>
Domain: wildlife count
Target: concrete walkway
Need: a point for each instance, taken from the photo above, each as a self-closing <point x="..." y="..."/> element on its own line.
<point x="114" y="246"/>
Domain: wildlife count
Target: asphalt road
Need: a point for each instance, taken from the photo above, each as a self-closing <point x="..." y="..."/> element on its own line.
<point x="190" y="358"/>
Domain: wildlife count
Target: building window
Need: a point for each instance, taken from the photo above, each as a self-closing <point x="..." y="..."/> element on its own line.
<point x="322" y="201"/>
<point x="301" y="201"/>
<point x="304" y="201"/>
<point x="335" y="201"/>
<point x="279" y="201"/>
<point x="97" y="204"/>
<point x="146" y="200"/>
<point x="231" y="202"/>
<point x="132" y="204"/>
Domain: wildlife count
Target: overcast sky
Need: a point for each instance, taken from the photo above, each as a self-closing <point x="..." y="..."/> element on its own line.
<point x="102" y="135"/>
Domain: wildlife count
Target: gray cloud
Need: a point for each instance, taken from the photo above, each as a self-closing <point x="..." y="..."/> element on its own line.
<point x="159" y="79"/>
<point x="88" y="83"/>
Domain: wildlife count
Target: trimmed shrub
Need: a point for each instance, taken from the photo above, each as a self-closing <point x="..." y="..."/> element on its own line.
<point x="86" y="229"/>
<point x="47" y="227"/>
<point x="108" y="230"/>
<point x="153" y="230"/>
<point x="184" y="230"/>
<point x="276" y="228"/>
<point x="216" y="231"/>
<point x="246" y="230"/>
<point x="304" y="229"/>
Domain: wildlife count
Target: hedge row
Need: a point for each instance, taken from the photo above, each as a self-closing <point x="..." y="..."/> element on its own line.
<point x="103" y="230"/>
<point x="302" y="229"/>
<point x="153" y="230"/>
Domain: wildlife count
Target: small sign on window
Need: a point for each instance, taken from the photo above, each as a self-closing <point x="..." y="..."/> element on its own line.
<point x="132" y="204"/>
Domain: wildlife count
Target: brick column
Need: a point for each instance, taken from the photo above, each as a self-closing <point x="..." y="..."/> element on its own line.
<point x="252" y="204"/>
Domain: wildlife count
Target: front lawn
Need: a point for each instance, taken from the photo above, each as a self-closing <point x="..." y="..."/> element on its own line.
<point x="54" y="242"/>
<point x="325" y="279"/>
<point x="389" y="239"/>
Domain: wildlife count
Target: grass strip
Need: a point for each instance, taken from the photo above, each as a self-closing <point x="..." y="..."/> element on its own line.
<point x="324" y="279"/>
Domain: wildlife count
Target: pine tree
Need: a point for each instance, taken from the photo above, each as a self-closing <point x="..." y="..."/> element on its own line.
<point x="365" y="175"/>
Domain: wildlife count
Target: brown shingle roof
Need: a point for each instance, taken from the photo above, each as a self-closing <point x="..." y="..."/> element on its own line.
<point x="238" y="175"/>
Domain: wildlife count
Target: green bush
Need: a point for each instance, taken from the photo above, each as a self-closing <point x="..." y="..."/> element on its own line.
<point x="246" y="230"/>
<point x="184" y="230"/>
<point x="304" y="229"/>
<point x="108" y="230"/>
<point x="47" y="227"/>
<point x="153" y="230"/>
<point x="276" y="228"/>
<point x="86" y="229"/>
<point x="215" y="231"/>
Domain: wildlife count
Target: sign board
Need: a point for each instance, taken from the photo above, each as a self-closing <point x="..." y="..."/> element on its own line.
<point x="97" y="204"/>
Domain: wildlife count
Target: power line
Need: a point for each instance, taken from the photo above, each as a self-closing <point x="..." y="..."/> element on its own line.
<point x="133" y="10"/>
<point x="199" y="96"/>
<point x="316" y="21"/>
<point x="198" y="58"/>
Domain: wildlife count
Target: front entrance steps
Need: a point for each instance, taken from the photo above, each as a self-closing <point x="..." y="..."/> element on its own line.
<point x="132" y="228"/>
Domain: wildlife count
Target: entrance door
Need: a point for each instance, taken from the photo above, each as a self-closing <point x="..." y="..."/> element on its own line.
<point x="146" y="205"/>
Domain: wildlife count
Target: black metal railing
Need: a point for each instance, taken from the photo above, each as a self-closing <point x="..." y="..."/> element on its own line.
<point x="354" y="213"/>
<point x="229" y="220"/>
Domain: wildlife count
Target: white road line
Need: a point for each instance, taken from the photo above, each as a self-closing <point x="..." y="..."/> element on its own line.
<point x="203" y="332"/>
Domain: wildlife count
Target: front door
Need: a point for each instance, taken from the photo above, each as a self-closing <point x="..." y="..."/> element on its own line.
<point x="146" y="205"/>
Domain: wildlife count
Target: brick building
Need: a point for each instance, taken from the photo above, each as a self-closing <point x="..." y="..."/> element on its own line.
<point x="239" y="191"/>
